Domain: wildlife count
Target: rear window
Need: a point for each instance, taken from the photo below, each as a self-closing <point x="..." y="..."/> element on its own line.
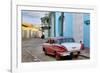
<point x="65" y="40"/>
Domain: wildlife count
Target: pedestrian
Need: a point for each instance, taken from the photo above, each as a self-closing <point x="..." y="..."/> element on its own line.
<point x="82" y="45"/>
<point x="43" y="36"/>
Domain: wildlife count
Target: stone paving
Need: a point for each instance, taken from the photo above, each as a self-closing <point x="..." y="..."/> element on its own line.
<point x="32" y="49"/>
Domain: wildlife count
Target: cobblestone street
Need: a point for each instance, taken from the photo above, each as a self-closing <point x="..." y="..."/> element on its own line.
<point x="32" y="51"/>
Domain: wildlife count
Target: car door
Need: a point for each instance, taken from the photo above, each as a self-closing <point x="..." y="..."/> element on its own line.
<point x="51" y="48"/>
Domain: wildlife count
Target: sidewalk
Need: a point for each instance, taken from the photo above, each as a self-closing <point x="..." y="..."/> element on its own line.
<point x="85" y="53"/>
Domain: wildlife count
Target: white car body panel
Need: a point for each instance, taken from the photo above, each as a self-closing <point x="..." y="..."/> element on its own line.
<point x="71" y="47"/>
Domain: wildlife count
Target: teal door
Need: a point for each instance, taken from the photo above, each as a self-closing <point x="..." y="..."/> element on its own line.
<point x="86" y="30"/>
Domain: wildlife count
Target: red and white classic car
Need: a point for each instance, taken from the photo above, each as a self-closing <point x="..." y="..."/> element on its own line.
<point x="62" y="47"/>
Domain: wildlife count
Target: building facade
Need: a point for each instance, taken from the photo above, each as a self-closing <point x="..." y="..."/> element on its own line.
<point x="69" y="24"/>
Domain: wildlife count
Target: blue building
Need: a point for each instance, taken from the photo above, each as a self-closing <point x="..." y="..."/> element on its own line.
<point x="71" y="25"/>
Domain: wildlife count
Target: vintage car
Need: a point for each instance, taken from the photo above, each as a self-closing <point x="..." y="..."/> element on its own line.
<point x="62" y="47"/>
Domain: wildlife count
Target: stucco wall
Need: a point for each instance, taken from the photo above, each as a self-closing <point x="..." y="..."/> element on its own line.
<point x="57" y="15"/>
<point x="67" y="29"/>
<point x="74" y="27"/>
<point x="86" y="33"/>
<point x="78" y="26"/>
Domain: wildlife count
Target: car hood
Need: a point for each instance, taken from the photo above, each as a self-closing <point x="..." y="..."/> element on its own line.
<point x="72" y="46"/>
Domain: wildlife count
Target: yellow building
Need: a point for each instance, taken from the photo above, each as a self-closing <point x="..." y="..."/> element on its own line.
<point x="31" y="30"/>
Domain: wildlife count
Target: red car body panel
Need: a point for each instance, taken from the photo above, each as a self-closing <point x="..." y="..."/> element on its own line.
<point x="51" y="48"/>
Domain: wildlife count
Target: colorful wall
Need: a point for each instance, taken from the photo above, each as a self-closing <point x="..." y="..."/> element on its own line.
<point x="86" y="29"/>
<point x="71" y="21"/>
<point x="67" y="30"/>
<point x="67" y="26"/>
<point x="57" y="29"/>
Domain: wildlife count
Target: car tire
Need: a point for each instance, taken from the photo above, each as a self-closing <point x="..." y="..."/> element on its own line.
<point x="57" y="56"/>
<point x="74" y="56"/>
<point x="71" y="55"/>
<point x="45" y="51"/>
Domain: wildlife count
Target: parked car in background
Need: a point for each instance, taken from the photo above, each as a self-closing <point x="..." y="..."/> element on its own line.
<point x="62" y="47"/>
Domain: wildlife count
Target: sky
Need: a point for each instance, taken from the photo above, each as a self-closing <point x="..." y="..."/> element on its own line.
<point x="32" y="16"/>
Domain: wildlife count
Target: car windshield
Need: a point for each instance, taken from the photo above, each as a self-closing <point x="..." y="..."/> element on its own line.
<point x="65" y="40"/>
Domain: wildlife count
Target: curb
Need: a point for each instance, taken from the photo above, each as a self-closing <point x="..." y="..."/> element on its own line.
<point x="84" y="56"/>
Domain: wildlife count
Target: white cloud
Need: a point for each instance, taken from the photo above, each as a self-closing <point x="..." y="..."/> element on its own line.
<point x="33" y="16"/>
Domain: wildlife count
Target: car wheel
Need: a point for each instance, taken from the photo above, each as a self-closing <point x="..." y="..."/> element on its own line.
<point x="74" y="56"/>
<point x="57" y="56"/>
<point x="44" y="51"/>
<point x="71" y="55"/>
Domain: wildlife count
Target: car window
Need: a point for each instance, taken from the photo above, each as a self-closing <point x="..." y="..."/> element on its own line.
<point x="69" y="40"/>
<point x="51" y="41"/>
<point x="65" y="40"/>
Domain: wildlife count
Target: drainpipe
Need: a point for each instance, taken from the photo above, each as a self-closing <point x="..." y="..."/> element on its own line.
<point x="62" y="23"/>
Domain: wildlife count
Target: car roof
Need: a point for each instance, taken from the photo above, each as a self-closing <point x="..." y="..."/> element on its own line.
<point x="57" y="38"/>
